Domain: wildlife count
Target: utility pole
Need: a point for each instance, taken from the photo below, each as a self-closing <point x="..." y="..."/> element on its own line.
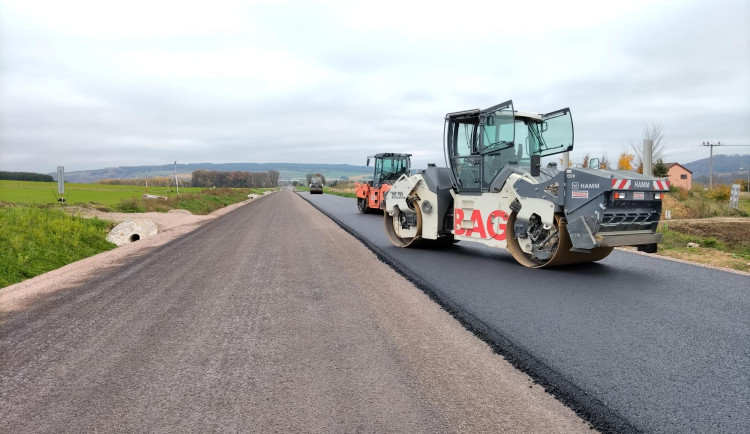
<point x="711" y="162"/>
<point x="175" y="178"/>
<point x="648" y="157"/>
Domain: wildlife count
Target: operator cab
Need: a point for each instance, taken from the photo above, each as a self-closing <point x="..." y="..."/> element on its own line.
<point x="480" y="143"/>
<point x="389" y="167"/>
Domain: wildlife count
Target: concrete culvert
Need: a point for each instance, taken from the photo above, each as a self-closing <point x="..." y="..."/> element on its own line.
<point x="133" y="230"/>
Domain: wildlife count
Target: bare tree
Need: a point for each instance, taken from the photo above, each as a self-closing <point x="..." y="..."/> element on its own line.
<point x="604" y="162"/>
<point x="655" y="133"/>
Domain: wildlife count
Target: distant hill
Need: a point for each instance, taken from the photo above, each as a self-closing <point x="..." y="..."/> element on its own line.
<point x="286" y="170"/>
<point x="722" y="164"/>
<point x="726" y="168"/>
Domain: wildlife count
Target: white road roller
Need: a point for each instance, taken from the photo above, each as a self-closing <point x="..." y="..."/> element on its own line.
<point x="496" y="192"/>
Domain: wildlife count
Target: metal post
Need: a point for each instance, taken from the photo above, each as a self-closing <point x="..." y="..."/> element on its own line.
<point x="648" y="157"/>
<point x="566" y="160"/>
<point x="711" y="162"/>
<point x="175" y="178"/>
<point x="61" y="183"/>
<point x="711" y="168"/>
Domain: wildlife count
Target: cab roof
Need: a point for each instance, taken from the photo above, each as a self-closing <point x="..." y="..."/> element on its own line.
<point x="388" y="154"/>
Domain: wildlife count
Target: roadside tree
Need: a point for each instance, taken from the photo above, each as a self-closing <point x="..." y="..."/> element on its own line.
<point x="625" y="161"/>
<point x="660" y="169"/>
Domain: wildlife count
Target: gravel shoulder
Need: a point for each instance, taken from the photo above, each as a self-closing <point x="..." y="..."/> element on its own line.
<point x="171" y="225"/>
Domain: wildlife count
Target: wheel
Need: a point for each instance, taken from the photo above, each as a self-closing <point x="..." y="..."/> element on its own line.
<point x="446" y="241"/>
<point x="361" y="205"/>
<point x="560" y="251"/>
<point x="399" y="236"/>
<point x="648" y="248"/>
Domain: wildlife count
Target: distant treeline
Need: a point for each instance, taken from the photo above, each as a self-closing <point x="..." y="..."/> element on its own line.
<point x="208" y="178"/>
<point x="25" y="176"/>
<point x="156" y="181"/>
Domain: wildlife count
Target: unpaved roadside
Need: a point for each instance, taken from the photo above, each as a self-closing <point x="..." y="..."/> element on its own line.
<point x="733" y="231"/>
<point x="171" y="225"/>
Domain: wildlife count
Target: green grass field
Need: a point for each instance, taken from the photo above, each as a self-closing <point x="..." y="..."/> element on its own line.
<point x="108" y="195"/>
<point x="36" y="239"/>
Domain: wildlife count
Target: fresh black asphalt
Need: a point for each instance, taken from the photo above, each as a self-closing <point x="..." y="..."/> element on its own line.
<point x="633" y="343"/>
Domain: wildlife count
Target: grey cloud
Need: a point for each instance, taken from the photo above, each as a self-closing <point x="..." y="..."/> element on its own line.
<point x="380" y="91"/>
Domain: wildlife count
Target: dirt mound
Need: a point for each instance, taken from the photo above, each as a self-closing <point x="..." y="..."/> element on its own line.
<point x="678" y="209"/>
<point x="734" y="231"/>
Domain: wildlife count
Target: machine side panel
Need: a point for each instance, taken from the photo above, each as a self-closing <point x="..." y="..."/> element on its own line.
<point x="482" y="218"/>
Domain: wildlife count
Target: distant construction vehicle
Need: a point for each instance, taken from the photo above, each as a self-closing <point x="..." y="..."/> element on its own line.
<point x="495" y="192"/>
<point x="388" y="168"/>
<point x="316" y="185"/>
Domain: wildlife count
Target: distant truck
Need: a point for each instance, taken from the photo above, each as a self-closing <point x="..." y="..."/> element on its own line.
<point x="316" y="185"/>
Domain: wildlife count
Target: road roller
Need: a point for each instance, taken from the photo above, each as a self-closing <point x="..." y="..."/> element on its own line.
<point x="496" y="191"/>
<point x="316" y="185"/>
<point x="389" y="166"/>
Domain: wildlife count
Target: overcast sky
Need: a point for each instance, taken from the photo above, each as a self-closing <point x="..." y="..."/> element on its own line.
<point x="100" y="84"/>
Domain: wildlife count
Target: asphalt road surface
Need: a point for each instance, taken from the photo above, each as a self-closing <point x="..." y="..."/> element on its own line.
<point x="270" y="318"/>
<point x="632" y="343"/>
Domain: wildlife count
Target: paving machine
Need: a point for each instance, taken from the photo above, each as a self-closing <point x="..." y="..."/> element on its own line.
<point x="496" y="192"/>
<point x="388" y="168"/>
<point x="316" y="185"/>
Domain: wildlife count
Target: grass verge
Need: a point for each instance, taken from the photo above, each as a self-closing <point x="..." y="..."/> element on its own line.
<point x="36" y="239"/>
<point x="103" y="195"/>
<point x="711" y="250"/>
<point x="203" y="202"/>
<point x="700" y="203"/>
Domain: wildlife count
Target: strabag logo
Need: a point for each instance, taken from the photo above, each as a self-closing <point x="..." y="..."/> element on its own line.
<point x="495" y="227"/>
<point x="580" y="194"/>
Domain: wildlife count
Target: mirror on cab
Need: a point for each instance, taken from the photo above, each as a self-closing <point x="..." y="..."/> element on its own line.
<point x="594" y="163"/>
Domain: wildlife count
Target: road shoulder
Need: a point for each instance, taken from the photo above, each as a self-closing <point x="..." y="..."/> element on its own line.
<point x="20" y="296"/>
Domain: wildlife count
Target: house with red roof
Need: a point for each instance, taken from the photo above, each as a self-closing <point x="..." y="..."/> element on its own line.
<point x="680" y="176"/>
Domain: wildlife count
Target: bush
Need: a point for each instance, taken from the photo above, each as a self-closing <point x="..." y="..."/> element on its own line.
<point x="720" y="193"/>
<point x="710" y="242"/>
<point x="131" y="205"/>
<point x="682" y="194"/>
